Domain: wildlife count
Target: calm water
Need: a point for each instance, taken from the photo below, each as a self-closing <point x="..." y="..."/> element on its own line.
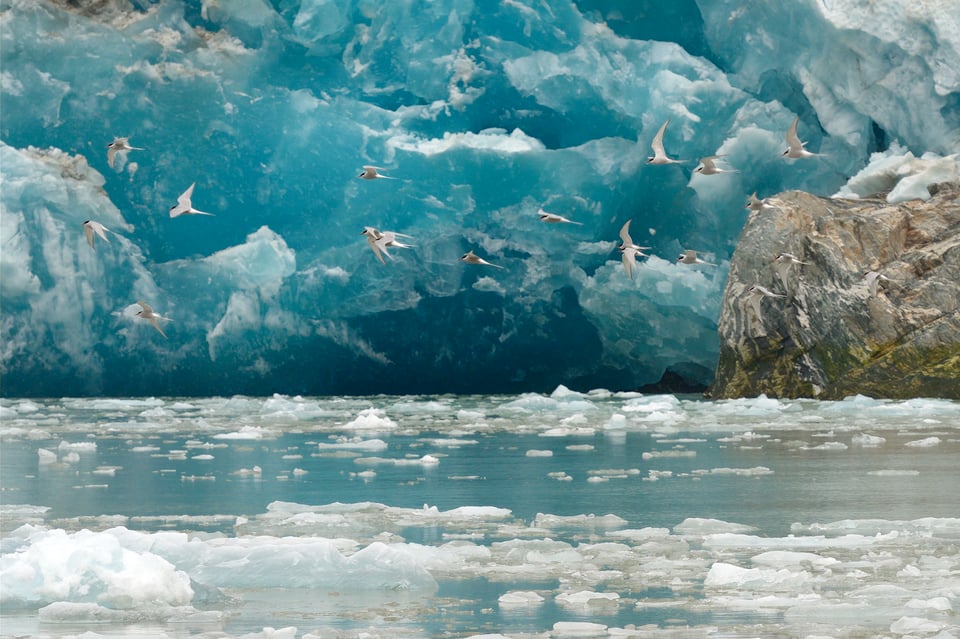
<point x="574" y="514"/>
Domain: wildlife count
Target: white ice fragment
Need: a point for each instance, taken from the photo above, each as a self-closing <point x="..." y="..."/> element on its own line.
<point x="355" y="444"/>
<point x="371" y="419"/>
<point x="699" y="526"/>
<point x="586" y="598"/>
<point x="901" y="175"/>
<point x="539" y="453"/>
<point x="867" y="441"/>
<point x="79" y="447"/>
<point x="893" y="473"/>
<point x="248" y="432"/>
<point x="927" y="442"/>
<point x="915" y="625"/>
<point x="520" y="598"/>
<point x="46" y="456"/>
<point x="563" y="629"/>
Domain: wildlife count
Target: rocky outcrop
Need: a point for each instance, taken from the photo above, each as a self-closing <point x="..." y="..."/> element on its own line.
<point x="830" y="335"/>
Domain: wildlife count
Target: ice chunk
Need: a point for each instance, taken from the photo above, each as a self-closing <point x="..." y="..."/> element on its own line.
<point x="520" y="598"/>
<point x="901" y="176"/>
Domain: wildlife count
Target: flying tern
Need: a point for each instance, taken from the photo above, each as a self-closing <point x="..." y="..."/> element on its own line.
<point x="470" y="258"/>
<point x="184" y="206"/>
<point x="628" y="255"/>
<point x="627" y="241"/>
<point x="690" y="257"/>
<point x="147" y="313"/>
<point x="796" y="148"/>
<point x="659" y="154"/>
<point x="92" y="229"/>
<point x="873" y="279"/>
<point x="756" y="295"/>
<point x="756" y="205"/>
<point x="708" y="166"/>
<point x="380" y="241"/>
<point x="119" y="145"/>
<point x="373" y="173"/>
<point x="553" y="218"/>
<point x="782" y="262"/>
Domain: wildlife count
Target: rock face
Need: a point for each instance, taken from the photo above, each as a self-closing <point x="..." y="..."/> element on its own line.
<point x="828" y="336"/>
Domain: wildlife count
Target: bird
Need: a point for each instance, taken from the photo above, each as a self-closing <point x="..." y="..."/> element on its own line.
<point x="147" y="313"/>
<point x="873" y="278"/>
<point x="782" y="262"/>
<point x="627" y="241"/>
<point x="119" y="145"/>
<point x="795" y="148"/>
<point x="756" y="205"/>
<point x="553" y="218"/>
<point x="373" y="173"/>
<point x="372" y="236"/>
<point x="756" y="294"/>
<point x="184" y="206"/>
<point x="92" y="229"/>
<point x="380" y="241"/>
<point x="708" y="166"/>
<point x="659" y="154"/>
<point x="690" y="257"/>
<point x="470" y="258"/>
<point x="628" y="255"/>
<point x="388" y="239"/>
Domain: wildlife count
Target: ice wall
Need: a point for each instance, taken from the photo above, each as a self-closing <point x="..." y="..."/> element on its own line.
<point x="483" y="114"/>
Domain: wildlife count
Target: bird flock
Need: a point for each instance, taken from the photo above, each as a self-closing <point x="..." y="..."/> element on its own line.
<point x="381" y="242"/>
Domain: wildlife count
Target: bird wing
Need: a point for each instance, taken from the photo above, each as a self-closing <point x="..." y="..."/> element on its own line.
<point x="629" y="260"/>
<point x="657" y="144"/>
<point x="625" y="233"/>
<point x="689" y="254"/>
<point x="184" y="199"/>
<point x="111" y="155"/>
<point x="793" y="140"/>
<point x="146" y="307"/>
<point x="156" y="325"/>
<point x="372" y="241"/>
<point x="89" y="233"/>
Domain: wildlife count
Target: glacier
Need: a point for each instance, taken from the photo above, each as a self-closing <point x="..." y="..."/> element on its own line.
<point x="484" y="113"/>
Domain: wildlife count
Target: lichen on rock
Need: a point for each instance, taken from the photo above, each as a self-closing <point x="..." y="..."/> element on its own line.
<point x="831" y="334"/>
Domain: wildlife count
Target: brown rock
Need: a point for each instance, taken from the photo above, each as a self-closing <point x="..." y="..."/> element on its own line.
<point x="829" y="337"/>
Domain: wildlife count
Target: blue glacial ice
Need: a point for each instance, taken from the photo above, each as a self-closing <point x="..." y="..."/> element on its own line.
<point x="484" y="114"/>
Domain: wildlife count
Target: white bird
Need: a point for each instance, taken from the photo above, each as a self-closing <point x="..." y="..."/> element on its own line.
<point x="782" y="262"/>
<point x="659" y="154"/>
<point x="380" y="241"/>
<point x="553" y="218"/>
<point x="119" y="145"/>
<point x="184" y="206"/>
<point x="873" y="278"/>
<point x="787" y="258"/>
<point x="627" y="241"/>
<point x="690" y="257"/>
<point x="372" y="236"/>
<point x="470" y="258"/>
<point x="708" y="166"/>
<point x="756" y="295"/>
<point x="147" y="313"/>
<point x="795" y="148"/>
<point x="373" y="173"/>
<point x="756" y="205"/>
<point x="388" y="239"/>
<point x="92" y="229"/>
<point x="628" y="255"/>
